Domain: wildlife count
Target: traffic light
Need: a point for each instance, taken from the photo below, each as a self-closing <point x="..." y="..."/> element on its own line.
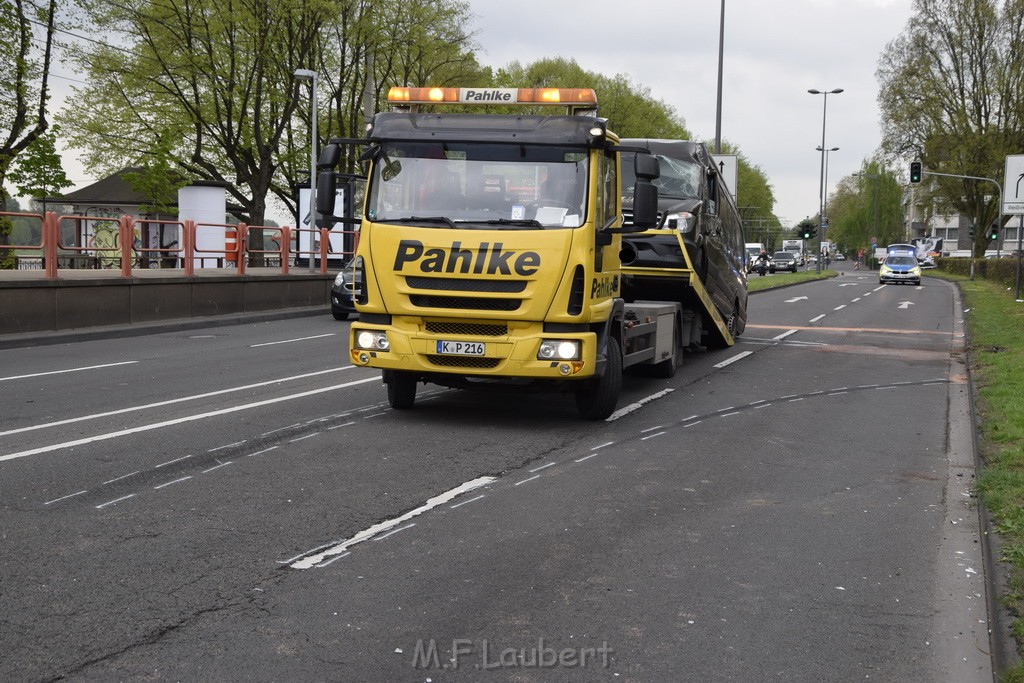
<point x="993" y="233"/>
<point x="915" y="172"/>
<point x="807" y="232"/>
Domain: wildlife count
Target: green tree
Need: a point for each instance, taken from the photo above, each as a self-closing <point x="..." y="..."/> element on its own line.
<point x="395" y="43"/>
<point x="216" y="80"/>
<point x="633" y="112"/>
<point x="867" y="204"/>
<point x="952" y="94"/>
<point x="754" y="197"/>
<point x="209" y="84"/>
<point x="24" y="89"/>
<point x="630" y="108"/>
<point x="38" y="172"/>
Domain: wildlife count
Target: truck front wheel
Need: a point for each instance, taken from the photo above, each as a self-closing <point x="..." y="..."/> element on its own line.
<point x="401" y="388"/>
<point x="597" y="398"/>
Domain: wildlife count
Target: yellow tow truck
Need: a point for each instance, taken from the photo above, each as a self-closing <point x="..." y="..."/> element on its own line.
<point x="489" y="250"/>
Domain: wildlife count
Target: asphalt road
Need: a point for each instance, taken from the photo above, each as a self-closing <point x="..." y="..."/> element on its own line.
<point x="238" y="503"/>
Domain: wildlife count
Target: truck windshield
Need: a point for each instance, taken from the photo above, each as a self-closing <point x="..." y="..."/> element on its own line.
<point x="679" y="179"/>
<point x="477" y="185"/>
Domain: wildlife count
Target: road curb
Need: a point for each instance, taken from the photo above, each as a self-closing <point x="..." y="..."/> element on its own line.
<point x="1002" y="644"/>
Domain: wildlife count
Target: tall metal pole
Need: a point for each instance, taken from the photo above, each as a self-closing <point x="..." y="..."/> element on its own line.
<point x="824" y="203"/>
<point x="821" y="191"/>
<point x="718" y="115"/>
<point x="313" y="227"/>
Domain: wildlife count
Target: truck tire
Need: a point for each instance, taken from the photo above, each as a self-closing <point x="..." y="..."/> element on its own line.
<point x="401" y="388"/>
<point x="597" y="398"/>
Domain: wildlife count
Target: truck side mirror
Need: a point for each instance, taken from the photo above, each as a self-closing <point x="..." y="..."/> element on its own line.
<point x="326" y="187"/>
<point x="645" y="194"/>
<point x="329" y="156"/>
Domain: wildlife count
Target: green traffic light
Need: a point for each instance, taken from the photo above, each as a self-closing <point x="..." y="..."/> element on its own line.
<point x="915" y="171"/>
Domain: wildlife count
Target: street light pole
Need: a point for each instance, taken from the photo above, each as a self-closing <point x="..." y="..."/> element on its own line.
<point x="310" y="75"/>
<point x="718" y="115"/>
<point x="824" y="202"/>
<point x="821" y="192"/>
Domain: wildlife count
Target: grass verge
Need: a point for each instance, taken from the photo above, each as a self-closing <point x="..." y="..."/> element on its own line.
<point x="995" y="325"/>
<point x="756" y="282"/>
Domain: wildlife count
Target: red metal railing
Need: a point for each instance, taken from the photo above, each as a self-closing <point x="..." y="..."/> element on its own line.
<point x="125" y="253"/>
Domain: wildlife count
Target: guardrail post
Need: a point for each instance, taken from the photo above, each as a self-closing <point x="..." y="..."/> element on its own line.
<point x="51" y="236"/>
<point x="126" y="232"/>
<point x="188" y="237"/>
<point x="325" y="243"/>
<point x="241" y="247"/>
<point x="286" y="245"/>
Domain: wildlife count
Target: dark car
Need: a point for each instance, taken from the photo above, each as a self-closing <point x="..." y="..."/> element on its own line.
<point x="694" y="201"/>
<point x="784" y="260"/>
<point x="342" y="303"/>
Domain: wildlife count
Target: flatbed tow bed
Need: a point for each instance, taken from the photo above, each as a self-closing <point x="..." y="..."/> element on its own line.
<point x="694" y="294"/>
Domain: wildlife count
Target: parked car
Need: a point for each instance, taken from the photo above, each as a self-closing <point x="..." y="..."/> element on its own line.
<point x="342" y="303"/>
<point x="784" y="260"/>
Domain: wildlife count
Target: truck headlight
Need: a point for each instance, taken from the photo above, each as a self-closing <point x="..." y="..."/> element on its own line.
<point x="373" y="340"/>
<point x="559" y="349"/>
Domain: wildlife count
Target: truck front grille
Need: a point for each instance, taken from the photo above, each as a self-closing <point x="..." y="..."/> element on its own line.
<point x="464" y="303"/>
<point x="448" y="284"/>
<point x="468" y="329"/>
<point x="464" y="362"/>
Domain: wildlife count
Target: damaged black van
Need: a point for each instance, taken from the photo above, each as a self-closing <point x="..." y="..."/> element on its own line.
<point x="693" y="200"/>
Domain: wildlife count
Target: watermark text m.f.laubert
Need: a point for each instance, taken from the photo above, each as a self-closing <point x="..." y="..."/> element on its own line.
<point x="483" y="654"/>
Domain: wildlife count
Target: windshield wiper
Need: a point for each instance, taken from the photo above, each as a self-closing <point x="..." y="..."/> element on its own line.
<point x="524" y="222"/>
<point x="424" y="219"/>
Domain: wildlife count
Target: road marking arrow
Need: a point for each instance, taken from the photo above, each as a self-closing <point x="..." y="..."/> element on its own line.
<point x="905" y="304"/>
<point x="789" y="301"/>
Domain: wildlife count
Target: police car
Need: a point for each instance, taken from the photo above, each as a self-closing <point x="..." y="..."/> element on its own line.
<point x="900" y="266"/>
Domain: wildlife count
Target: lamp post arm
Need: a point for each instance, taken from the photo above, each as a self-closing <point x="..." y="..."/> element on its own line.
<point x="972" y="177"/>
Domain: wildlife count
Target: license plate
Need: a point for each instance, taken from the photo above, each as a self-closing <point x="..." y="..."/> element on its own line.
<point x="460" y="348"/>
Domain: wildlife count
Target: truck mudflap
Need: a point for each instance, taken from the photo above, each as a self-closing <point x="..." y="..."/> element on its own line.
<point x="686" y="286"/>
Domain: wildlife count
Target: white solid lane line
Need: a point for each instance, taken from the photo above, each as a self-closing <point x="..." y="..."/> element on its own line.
<point x="171" y="401"/>
<point x="180" y="420"/>
<point x="730" y="361"/>
<point x="289" y="341"/>
<point x="61" y="372"/>
<point x="337" y="549"/>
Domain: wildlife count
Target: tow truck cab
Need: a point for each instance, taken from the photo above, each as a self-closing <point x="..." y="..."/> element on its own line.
<point x="489" y="245"/>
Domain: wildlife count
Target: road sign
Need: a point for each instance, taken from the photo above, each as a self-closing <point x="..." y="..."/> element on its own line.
<point x="728" y="165"/>
<point x="1013" y="185"/>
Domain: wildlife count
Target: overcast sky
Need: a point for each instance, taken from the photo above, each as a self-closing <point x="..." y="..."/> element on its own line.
<point x="774" y="52"/>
